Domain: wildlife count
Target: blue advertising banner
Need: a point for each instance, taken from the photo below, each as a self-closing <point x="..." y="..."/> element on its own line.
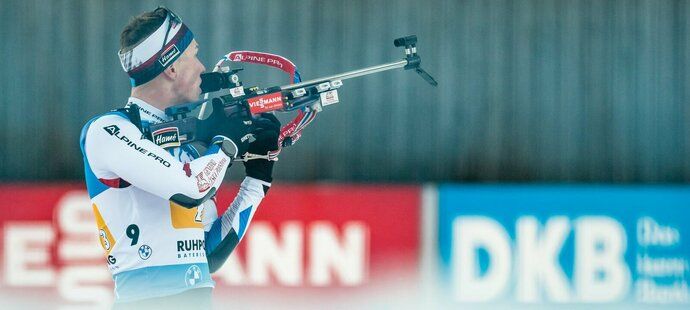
<point x="565" y="244"/>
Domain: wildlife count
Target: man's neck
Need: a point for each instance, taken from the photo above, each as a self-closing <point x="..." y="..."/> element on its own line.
<point x="155" y="95"/>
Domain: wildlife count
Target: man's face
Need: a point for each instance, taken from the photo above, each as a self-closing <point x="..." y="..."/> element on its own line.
<point x="188" y="69"/>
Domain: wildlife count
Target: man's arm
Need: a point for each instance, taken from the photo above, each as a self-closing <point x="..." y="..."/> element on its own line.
<point x="224" y="233"/>
<point x="116" y="151"/>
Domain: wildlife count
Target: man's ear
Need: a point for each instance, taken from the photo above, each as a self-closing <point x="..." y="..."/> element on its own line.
<point x="171" y="72"/>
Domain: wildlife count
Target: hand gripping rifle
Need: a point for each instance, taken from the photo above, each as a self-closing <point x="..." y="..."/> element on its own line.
<point x="309" y="97"/>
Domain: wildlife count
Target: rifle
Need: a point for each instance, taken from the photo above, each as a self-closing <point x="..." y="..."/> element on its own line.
<point x="308" y="96"/>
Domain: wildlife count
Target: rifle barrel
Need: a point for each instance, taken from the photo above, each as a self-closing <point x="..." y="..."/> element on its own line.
<point x="349" y="74"/>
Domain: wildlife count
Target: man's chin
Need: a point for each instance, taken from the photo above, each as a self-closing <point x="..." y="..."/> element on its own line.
<point x="194" y="97"/>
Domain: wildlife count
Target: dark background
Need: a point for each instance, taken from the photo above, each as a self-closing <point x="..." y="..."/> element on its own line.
<point x="543" y="91"/>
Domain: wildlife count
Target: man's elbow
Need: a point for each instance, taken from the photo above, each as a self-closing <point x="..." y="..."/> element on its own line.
<point x="190" y="201"/>
<point x="217" y="256"/>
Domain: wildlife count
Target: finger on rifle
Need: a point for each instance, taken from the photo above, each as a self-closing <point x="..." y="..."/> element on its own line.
<point x="271" y="117"/>
<point x="267" y="123"/>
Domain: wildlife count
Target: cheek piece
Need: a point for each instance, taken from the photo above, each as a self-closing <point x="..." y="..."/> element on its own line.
<point x="157" y="52"/>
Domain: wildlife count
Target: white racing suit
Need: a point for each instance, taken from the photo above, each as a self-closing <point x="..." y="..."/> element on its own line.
<point x="156" y="220"/>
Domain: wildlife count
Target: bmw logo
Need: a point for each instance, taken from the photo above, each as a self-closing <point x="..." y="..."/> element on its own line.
<point x="145" y="252"/>
<point x="193" y="275"/>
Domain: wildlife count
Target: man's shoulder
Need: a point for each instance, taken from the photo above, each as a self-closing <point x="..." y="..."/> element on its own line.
<point x="110" y="116"/>
<point x="111" y="122"/>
